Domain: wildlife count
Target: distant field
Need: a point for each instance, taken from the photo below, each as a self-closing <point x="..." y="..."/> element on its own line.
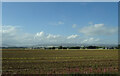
<point x="60" y="61"/>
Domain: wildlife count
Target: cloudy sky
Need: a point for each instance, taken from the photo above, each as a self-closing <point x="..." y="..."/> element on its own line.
<point x="29" y="23"/>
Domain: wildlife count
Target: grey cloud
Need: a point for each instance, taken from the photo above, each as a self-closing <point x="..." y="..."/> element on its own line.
<point x="98" y="29"/>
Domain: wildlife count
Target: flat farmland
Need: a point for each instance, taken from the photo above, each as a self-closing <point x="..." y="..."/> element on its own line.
<point x="20" y="61"/>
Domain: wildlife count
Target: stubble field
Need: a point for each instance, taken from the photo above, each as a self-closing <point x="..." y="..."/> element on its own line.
<point x="19" y="61"/>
